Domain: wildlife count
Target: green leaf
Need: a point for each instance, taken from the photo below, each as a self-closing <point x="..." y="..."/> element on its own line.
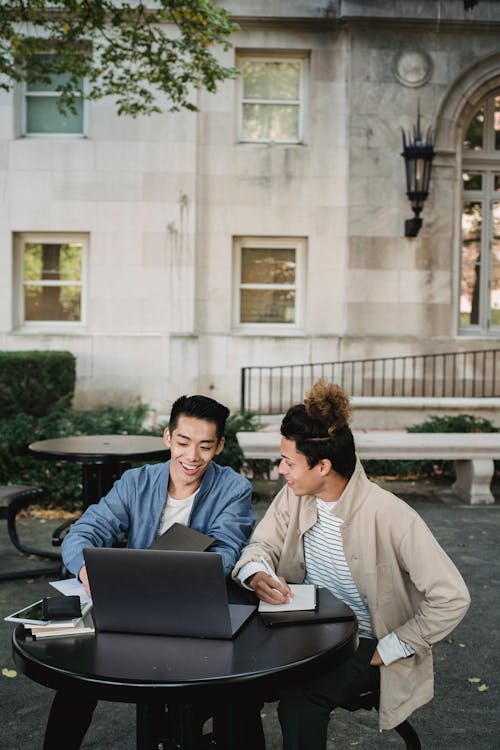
<point x="148" y="58"/>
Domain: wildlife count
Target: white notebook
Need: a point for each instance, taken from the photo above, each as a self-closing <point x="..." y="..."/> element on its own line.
<point x="306" y="597"/>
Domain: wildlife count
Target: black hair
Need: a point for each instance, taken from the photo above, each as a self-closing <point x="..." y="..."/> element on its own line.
<point x="320" y="428"/>
<point x="201" y="407"/>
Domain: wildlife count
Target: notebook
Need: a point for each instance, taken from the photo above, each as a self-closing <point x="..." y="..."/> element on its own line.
<point x="162" y="592"/>
<point x="305" y="597"/>
<point x="329" y="609"/>
<point x="183" y="538"/>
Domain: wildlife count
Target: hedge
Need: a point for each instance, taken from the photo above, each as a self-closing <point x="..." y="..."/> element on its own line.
<point x="32" y="382"/>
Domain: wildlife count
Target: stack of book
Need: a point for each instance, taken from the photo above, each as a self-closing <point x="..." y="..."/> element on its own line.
<point x="62" y="628"/>
<point x="31" y="619"/>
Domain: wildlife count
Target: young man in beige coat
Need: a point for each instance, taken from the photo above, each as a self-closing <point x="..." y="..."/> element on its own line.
<point x="331" y="526"/>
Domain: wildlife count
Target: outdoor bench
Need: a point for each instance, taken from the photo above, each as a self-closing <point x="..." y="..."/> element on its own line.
<point x="473" y="453"/>
<point x="13" y="499"/>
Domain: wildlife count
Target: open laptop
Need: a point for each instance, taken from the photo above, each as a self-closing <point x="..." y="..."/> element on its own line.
<point x="162" y="592"/>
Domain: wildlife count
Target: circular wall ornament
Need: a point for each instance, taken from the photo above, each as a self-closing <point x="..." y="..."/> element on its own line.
<point x="412" y="67"/>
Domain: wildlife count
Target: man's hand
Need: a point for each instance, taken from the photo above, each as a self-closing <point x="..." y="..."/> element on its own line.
<point x="376" y="660"/>
<point x="82" y="575"/>
<point x="269" y="589"/>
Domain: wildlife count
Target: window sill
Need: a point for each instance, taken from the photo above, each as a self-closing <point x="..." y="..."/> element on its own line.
<point x="77" y="329"/>
<point x="269" y="330"/>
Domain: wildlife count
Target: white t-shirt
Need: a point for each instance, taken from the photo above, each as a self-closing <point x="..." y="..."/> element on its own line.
<point x="176" y="511"/>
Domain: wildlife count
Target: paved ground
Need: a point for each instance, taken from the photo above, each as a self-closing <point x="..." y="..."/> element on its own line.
<point x="463" y="716"/>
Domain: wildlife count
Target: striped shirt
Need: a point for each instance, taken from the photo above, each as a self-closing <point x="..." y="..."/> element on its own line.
<point x="326" y="566"/>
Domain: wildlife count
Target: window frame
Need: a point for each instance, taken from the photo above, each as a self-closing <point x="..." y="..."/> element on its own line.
<point x="45" y="94"/>
<point x="19" y="241"/>
<point x="486" y="162"/>
<point x="299" y="245"/>
<point x="279" y="56"/>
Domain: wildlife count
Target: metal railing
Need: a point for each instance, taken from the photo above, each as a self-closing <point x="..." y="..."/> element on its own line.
<point x="473" y="374"/>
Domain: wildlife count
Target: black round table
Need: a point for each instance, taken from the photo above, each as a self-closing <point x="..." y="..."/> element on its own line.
<point x="104" y="458"/>
<point x="152" y="671"/>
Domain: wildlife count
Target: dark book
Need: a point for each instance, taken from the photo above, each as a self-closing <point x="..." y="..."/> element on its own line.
<point x="183" y="538"/>
<point x="329" y="609"/>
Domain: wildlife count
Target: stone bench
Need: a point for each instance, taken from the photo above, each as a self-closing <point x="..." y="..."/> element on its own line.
<point x="473" y="453"/>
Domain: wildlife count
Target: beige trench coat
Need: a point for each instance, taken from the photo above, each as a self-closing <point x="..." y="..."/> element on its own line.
<point x="408" y="583"/>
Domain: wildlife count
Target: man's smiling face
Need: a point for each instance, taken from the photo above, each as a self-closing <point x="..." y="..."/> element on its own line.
<point x="193" y="444"/>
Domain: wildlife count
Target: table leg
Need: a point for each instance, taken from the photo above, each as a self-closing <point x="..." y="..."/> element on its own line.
<point x="99" y="478"/>
<point x="225" y="727"/>
<point x="174" y="729"/>
<point x="149" y="722"/>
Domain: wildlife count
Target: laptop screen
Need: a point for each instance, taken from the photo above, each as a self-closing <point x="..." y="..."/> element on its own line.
<point x="165" y="592"/>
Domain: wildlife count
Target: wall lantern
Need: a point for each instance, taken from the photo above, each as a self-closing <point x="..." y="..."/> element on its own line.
<point x="418" y="153"/>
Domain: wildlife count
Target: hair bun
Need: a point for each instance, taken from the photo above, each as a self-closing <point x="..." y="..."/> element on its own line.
<point x="328" y="404"/>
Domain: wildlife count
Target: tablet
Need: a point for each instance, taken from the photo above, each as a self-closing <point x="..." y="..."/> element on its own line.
<point x="31" y="615"/>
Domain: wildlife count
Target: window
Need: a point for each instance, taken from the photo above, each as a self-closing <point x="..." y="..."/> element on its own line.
<point x="480" y="247"/>
<point x="272" y="99"/>
<point x="50" y="271"/>
<point x="269" y="281"/>
<point x="41" y="115"/>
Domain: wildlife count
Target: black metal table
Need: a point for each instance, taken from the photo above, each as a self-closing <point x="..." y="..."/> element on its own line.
<point x="104" y="458"/>
<point x="152" y="671"/>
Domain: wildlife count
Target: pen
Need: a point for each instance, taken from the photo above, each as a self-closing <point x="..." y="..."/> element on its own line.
<point x="269" y="569"/>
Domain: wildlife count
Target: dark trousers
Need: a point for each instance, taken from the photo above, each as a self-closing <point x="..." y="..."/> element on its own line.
<point x="69" y="719"/>
<point x="71" y="714"/>
<point x="304" y="711"/>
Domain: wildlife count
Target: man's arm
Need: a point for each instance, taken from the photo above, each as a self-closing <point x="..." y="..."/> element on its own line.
<point x="100" y="525"/>
<point x="232" y="526"/>
<point x="446" y="598"/>
<point x="266" y="542"/>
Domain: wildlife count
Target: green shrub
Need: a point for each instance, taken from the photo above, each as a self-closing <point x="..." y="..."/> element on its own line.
<point x="232" y="455"/>
<point x="62" y="482"/>
<point x="32" y="382"/>
<point x="454" y="423"/>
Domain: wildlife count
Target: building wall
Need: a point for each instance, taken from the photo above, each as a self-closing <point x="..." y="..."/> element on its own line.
<point x="162" y="199"/>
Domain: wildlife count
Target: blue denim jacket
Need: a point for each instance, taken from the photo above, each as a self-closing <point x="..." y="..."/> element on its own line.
<point x="133" y="507"/>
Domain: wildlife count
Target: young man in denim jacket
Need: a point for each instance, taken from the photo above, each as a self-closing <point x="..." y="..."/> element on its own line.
<point x="189" y="489"/>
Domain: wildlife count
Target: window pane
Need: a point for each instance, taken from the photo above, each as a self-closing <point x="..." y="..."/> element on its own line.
<point x="495" y="267"/>
<point x="471" y="264"/>
<point x="497" y="182"/>
<point x="52" y="303"/>
<point x="271" y="80"/>
<point x="55" y="79"/>
<point x="262" y="266"/>
<point x="267" y="306"/>
<point x="42" y="116"/>
<point x="47" y="263"/>
<point x="474" y="136"/>
<point x="496" y="122"/>
<point x="271" y="122"/>
<point x="472" y="181"/>
<point x="52" y="261"/>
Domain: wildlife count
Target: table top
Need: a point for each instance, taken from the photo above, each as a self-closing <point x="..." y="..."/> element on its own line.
<point x="101" y="448"/>
<point x="138" y="668"/>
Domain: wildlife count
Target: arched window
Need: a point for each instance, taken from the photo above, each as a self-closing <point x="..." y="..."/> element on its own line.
<point x="480" y="256"/>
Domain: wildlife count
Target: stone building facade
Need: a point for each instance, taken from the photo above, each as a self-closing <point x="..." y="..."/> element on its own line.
<point x="267" y="228"/>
